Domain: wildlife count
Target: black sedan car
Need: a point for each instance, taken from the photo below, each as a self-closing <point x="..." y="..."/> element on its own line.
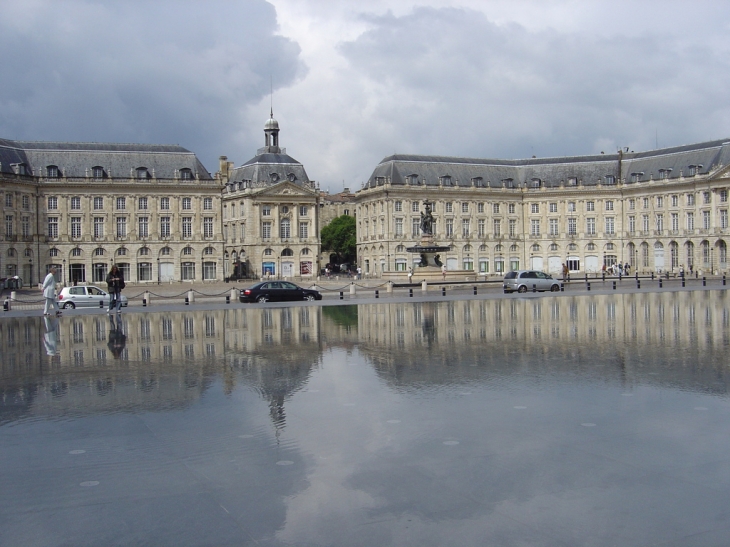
<point x="277" y="291"/>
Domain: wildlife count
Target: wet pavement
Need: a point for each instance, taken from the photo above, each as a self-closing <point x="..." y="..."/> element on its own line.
<point x="556" y="420"/>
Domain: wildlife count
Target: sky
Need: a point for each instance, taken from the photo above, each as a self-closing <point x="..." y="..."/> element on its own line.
<point x="353" y="82"/>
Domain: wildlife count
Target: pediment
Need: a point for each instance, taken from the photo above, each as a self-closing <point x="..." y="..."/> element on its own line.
<point x="285" y="189"/>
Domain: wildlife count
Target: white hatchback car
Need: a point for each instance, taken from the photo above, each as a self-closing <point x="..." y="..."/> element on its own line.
<point x="85" y="296"/>
<point x="525" y="280"/>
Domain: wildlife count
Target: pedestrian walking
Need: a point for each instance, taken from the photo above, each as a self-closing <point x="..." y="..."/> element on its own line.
<point x="443" y="272"/>
<point x="566" y="272"/>
<point x="115" y="284"/>
<point x="49" y="293"/>
<point x="410" y="275"/>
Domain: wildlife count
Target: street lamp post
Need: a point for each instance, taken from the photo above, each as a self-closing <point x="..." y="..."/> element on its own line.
<point x="158" y="270"/>
<point x="63" y="273"/>
<point x="30" y="281"/>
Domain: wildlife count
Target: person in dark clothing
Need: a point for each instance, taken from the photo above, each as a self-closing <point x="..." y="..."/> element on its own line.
<point x="115" y="283"/>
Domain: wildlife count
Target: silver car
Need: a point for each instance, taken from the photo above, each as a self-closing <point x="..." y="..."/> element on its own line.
<point x="525" y="280"/>
<point x="85" y="296"/>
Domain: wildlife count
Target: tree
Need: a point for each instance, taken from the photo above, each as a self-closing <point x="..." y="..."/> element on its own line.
<point x="339" y="237"/>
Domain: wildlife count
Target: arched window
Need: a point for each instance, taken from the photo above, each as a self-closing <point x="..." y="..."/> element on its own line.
<point x="722" y="253"/>
<point x="287" y="252"/>
<point x="536" y="247"/>
<point x="553" y="246"/>
<point x="514" y="248"/>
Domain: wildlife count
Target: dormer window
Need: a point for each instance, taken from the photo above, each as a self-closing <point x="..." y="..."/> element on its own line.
<point x="610" y="179"/>
<point x="98" y="172"/>
<point x="186" y="174"/>
<point x="142" y="173"/>
<point x="507" y="183"/>
<point x="536" y="183"/>
<point x="274" y="177"/>
<point x="691" y="170"/>
<point x="52" y="172"/>
<point x="446" y="180"/>
<point x="636" y="177"/>
<point x="664" y="173"/>
<point x="412" y="179"/>
<point x="478" y="182"/>
<point x="291" y="177"/>
<point x="19" y="168"/>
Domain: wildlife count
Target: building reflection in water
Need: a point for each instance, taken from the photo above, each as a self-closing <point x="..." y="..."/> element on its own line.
<point x="88" y="363"/>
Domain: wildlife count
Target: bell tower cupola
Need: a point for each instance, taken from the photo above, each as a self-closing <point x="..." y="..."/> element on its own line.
<point x="271" y="131"/>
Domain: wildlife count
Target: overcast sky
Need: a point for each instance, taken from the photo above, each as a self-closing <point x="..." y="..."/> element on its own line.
<point x="354" y="82"/>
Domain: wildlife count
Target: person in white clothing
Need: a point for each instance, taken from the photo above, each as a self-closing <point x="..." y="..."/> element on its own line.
<point x="49" y="293"/>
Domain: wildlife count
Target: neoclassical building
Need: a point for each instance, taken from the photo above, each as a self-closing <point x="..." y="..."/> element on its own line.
<point x="659" y="210"/>
<point x="270" y="214"/>
<point x="154" y="210"/>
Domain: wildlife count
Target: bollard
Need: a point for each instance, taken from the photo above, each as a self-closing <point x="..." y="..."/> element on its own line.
<point x="534" y="287"/>
<point x="636" y="274"/>
<point x="603" y="277"/>
<point x="191" y="297"/>
<point x="147" y="297"/>
<point x="389" y="288"/>
<point x="723" y="280"/>
<point x="377" y="294"/>
<point x="342" y="295"/>
<point x="667" y="275"/>
<point x="144" y="302"/>
<point x="228" y="299"/>
<point x="6" y="305"/>
<point x="588" y="286"/>
<point x="443" y="291"/>
<point x="187" y="302"/>
<point x="704" y="281"/>
<point x="352" y="290"/>
<point x="638" y="283"/>
<point x="562" y="287"/>
<point x="410" y="292"/>
<point x="475" y="289"/>
<point x="424" y="286"/>
<point x="683" y="282"/>
<point x="614" y="285"/>
<point x="652" y="276"/>
<point x="660" y="283"/>
<point x="586" y="277"/>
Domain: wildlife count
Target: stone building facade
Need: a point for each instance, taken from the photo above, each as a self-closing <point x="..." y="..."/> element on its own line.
<point x="153" y="210"/>
<point x="271" y="214"/>
<point x="661" y="210"/>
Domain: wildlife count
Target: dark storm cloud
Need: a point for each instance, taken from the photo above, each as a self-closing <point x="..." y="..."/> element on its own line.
<point x="458" y="84"/>
<point x="157" y="72"/>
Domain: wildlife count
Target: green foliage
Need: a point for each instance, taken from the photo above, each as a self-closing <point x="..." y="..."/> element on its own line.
<point x="339" y="237"/>
<point x="345" y="316"/>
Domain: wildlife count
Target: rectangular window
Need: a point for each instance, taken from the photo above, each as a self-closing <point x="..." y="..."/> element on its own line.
<point x="645" y="223"/>
<point x="121" y="226"/>
<point x="304" y="230"/>
<point x="76" y="227"/>
<point x="121" y="204"/>
<point x="243" y="232"/>
<point x="553" y="208"/>
<point x="609" y="226"/>
<point x="52" y="202"/>
<point x="535" y="227"/>
<point x="464" y="207"/>
<point x="675" y="222"/>
<point x="690" y="221"/>
<point x="495" y="208"/>
<point x="512" y="227"/>
<point x="415" y="227"/>
<point x="266" y="230"/>
<point x="144" y="272"/>
<point x="591" y="226"/>
<point x="285" y="229"/>
<point x="26" y="202"/>
<point x="398" y="206"/>
<point x="414" y="207"/>
<point x="398" y="227"/>
<point x="26" y="226"/>
<point x="143" y="229"/>
<point x="449" y="227"/>
<point x="187" y="204"/>
<point x="572" y="226"/>
<point x="706" y="220"/>
<point x="98" y="227"/>
<point x="164" y="204"/>
<point x="465" y="228"/>
<point x="9" y="200"/>
<point x="164" y="226"/>
<point x="187" y="227"/>
<point x="208" y="271"/>
<point x="659" y="202"/>
<point x="142" y="204"/>
<point x="675" y="201"/>
<point x="571" y="206"/>
<point x="98" y="203"/>
<point x="207" y="204"/>
<point x="480" y="207"/>
<point x="449" y="207"/>
<point x="303" y="210"/>
<point x="609" y="205"/>
<point x="660" y="222"/>
<point x="553" y="226"/>
<point x="535" y="208"/>
<point x="52" y="227"/>
<point x="590" y="206"/>
<point x="75" y="203"/>
<point x="632" y="224"/>
<point x="690" y="199"/>
<point x="706" y="198"/>
<point x="9" y="225"/>
<point x="511" y="208"/>
<point x="497" y="227"/>
<point x="481" y="227"/>
<point x="723" y="196"/>
<point x="632" y="204"/>
<point x="645" y="203"/>
<point x="187" y="271"/>
<point x="723" y="219"/>
<point x="208" y="227"/>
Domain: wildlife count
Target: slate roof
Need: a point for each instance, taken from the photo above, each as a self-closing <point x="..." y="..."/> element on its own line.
<point x="74" y="159"/>
<point x="401" y="169"/>
<point x="270" y="168"/>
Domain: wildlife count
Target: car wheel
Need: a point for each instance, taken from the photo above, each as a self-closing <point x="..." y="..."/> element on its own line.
<point x="70" y="305"/>
<point x="522" y="288"/>
<point x="263" y="298"/>
<point x="554" y="288"/>
<point x="310" y="297"/>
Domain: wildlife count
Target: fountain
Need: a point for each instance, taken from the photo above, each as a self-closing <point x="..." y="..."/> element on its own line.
<point x="430" y="253"/>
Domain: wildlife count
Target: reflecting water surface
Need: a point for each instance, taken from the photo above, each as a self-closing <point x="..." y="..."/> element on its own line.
<point x="595" y="420"/>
